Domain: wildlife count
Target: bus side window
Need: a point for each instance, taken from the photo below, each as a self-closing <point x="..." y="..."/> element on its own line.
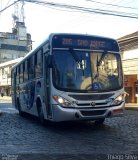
<point x="13" y="75"/>
<point x="38" y="64"/>
<point x="21" y="73"/>
<point x="17" y="76"/>
<point x="12" y="80"/>
<point x="31" y="67"/>
<point x="35" y="64"/>
<point x="25" y="71"/>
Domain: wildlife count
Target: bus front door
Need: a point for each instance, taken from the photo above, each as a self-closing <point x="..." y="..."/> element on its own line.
<point x="47" y="91"/>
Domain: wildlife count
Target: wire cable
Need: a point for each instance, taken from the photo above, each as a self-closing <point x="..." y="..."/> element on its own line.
<point x="114" y="5"/>
<point x="85" y="9"/>
<point x="9" y="6"/>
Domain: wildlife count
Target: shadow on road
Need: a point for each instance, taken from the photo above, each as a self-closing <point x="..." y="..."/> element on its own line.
<point x="71" y="126"/>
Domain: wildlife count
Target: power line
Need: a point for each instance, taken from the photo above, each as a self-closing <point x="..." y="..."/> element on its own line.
<point x="8" y="2"/>
<point x="9" y="6"/>
<point x="85" y="9"/>
<point x="79" y="8"/>
<point x="114" y="5"/>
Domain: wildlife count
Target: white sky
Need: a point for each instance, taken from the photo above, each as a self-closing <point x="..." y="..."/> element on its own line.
<point x="41" y="21"/>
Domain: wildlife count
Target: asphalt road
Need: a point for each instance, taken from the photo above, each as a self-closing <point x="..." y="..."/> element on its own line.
<point x="24" y="138"/>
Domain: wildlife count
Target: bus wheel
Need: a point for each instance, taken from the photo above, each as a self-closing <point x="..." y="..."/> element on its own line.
<point x="99" y="121"/>
<point x="19" y="108"/>
<point x="40" y="112"/>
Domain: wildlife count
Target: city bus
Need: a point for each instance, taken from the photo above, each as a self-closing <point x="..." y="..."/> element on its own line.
<point x="70" y="77"/>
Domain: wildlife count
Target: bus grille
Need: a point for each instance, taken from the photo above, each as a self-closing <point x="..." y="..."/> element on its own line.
<point x="93" y="113"/>
<point x="91" y="97"/>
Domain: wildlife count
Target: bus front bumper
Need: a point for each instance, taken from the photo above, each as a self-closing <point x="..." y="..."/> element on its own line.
<point x="73" y="114"/>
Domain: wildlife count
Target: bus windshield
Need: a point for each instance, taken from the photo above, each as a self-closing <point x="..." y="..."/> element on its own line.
<point x="86" y="71"/>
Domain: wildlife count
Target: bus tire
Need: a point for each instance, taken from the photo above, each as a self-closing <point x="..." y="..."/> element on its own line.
<point x="99" y="121"/>
<point x="19" y="108"/>
<point x="40" y="112"/>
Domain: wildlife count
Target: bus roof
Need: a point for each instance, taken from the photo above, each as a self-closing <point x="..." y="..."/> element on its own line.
<point x="50" y="37"/>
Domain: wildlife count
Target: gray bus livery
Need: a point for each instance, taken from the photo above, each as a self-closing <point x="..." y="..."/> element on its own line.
<point x="70" y="77"/>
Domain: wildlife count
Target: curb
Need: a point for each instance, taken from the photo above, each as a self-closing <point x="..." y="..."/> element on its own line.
<point x="131" y="108"/>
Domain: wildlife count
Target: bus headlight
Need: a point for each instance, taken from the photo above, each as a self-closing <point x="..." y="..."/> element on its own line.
<point x="63" y="102"/>
<point x="118" y="100"/>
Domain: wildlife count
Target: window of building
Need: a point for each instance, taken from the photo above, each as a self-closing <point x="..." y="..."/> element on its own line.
<point x="2" y="71"/>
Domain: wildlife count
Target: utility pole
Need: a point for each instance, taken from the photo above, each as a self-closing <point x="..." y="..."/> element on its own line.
<point x="18" y="12"/>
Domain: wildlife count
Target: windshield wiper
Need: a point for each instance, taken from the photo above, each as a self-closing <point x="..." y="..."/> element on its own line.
<point x="77" y="59"/>
<point x="74" y="55"/>
<point x="98" y="63"/>
<point x="97" y="69"/>
<point x="101" y="58"/>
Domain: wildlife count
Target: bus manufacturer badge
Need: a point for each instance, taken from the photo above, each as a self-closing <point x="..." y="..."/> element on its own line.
<point x="92" y="104"/>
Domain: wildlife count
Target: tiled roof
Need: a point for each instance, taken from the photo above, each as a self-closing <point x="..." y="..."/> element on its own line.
<point x="129" y="36"/>
<point x="128" y="42"/>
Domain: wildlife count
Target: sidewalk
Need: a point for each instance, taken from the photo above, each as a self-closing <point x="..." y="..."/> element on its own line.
<point x="6" y="99"/>
<point x="131" y="106"/>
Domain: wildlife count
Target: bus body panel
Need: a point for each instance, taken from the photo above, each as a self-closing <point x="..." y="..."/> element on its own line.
<point x="63" y="114"/>
<point x="28" y="95"/>
<point x="83" y="109"/>
<point x="84" y="105"/>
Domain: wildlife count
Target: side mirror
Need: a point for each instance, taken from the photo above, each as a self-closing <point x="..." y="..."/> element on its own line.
<point x="49" y="61"/>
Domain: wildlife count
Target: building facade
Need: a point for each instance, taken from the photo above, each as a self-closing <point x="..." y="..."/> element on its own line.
<point x="5" y="75"/>
<point x="13" y="46"/>
<point x="129" y="50"/>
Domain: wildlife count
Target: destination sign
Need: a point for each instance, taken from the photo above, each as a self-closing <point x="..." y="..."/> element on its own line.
<point x="84" y="42"/>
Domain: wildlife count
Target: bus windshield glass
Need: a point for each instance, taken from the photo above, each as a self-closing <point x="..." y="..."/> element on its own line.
<point x="86" y="71"/>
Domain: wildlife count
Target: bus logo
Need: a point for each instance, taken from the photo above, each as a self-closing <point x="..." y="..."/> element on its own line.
<point x="93" y="104"/>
